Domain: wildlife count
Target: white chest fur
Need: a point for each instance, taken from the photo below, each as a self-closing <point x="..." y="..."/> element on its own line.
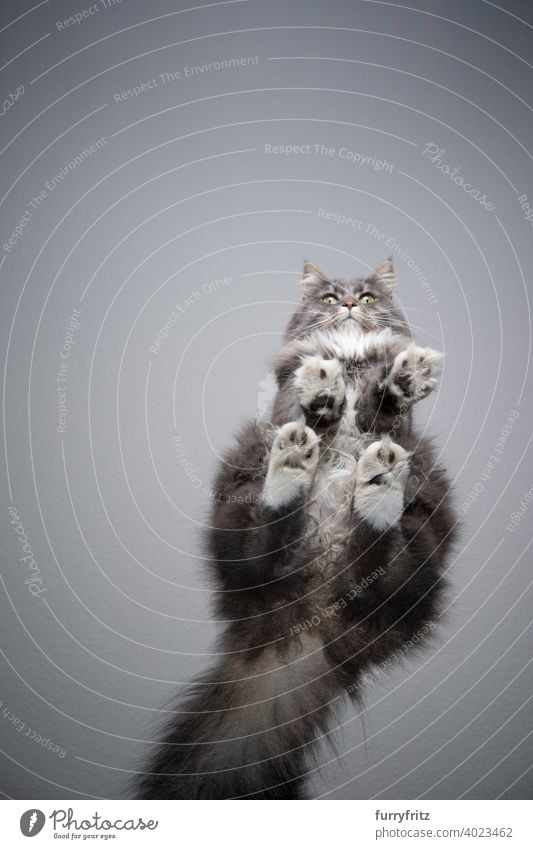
<point x="333" y="489"/>
<point x="332" y="493"/>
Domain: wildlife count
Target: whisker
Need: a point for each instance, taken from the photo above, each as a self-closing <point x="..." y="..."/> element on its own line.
<point x="318" y="325"/>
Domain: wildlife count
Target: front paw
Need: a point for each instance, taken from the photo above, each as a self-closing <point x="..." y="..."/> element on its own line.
<point x="320" y="387"/>
<point x="413" y="374"/>
<point x="293" y="460"/>
<point x="382" y="471"/>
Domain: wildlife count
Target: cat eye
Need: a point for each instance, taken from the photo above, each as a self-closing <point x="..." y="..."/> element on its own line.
<point x="330" y="299"/>
<point x="366" y="298"/>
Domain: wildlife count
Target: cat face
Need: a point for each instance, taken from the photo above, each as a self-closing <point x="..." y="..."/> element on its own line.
<point x="362" y="305"/>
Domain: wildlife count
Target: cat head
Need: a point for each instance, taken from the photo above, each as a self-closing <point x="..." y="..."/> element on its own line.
<point x="360" y="304"/>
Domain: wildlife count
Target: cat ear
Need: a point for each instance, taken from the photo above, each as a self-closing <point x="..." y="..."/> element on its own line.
<point x="383" y="275"/>
<point x="312" y="278"/>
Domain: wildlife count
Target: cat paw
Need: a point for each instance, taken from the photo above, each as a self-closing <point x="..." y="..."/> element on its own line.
<point x="320" y="387"/>
<point x="293" y="460"/>
<point x="382" y="471"/>
<point x="414" y="373"/>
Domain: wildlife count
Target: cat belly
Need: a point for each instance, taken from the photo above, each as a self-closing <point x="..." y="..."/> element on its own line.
<point x="331" y="498"/>
<point x="330" y="505"/>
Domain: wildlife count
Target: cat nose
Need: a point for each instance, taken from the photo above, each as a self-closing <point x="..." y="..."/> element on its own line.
<point x="349" y="302"/>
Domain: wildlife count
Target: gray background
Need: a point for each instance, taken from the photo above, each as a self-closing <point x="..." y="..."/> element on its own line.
<point x="183" y="192"/>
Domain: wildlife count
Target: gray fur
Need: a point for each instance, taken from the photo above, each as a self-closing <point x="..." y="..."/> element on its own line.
<point x="357" y="523"/>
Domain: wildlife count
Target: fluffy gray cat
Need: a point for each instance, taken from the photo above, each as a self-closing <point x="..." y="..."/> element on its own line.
<point x="327" y="538"/>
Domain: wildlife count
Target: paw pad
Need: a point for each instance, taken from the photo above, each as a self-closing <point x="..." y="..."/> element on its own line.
<point x="414" y="373"/>
<point x="320" y="387"/>
<point x="296" y="446"/>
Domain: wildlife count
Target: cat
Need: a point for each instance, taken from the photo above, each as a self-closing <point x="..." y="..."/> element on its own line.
<point x="328" y="539"/>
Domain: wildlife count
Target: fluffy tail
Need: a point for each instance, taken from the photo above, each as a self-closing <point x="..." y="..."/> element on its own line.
<point x="245" y="729"/>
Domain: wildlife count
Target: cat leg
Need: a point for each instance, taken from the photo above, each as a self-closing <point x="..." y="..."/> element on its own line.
<point x="293" y="460"/>
<point x="259" y="519"/>
<point x="413" y="375"/>
<point x="320" y="387"/>
<point x="382" y="471"/>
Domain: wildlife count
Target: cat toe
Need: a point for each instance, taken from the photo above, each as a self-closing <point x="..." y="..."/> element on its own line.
<point x="320" y="387"/>
<point x="414" y="373"/>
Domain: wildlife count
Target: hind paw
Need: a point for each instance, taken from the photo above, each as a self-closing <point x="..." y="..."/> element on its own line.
<point x="293" y="460"/>
<point x="382" y="471"/>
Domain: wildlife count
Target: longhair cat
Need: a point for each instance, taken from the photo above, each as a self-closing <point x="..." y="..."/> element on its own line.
<point x="328" y="539"/>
